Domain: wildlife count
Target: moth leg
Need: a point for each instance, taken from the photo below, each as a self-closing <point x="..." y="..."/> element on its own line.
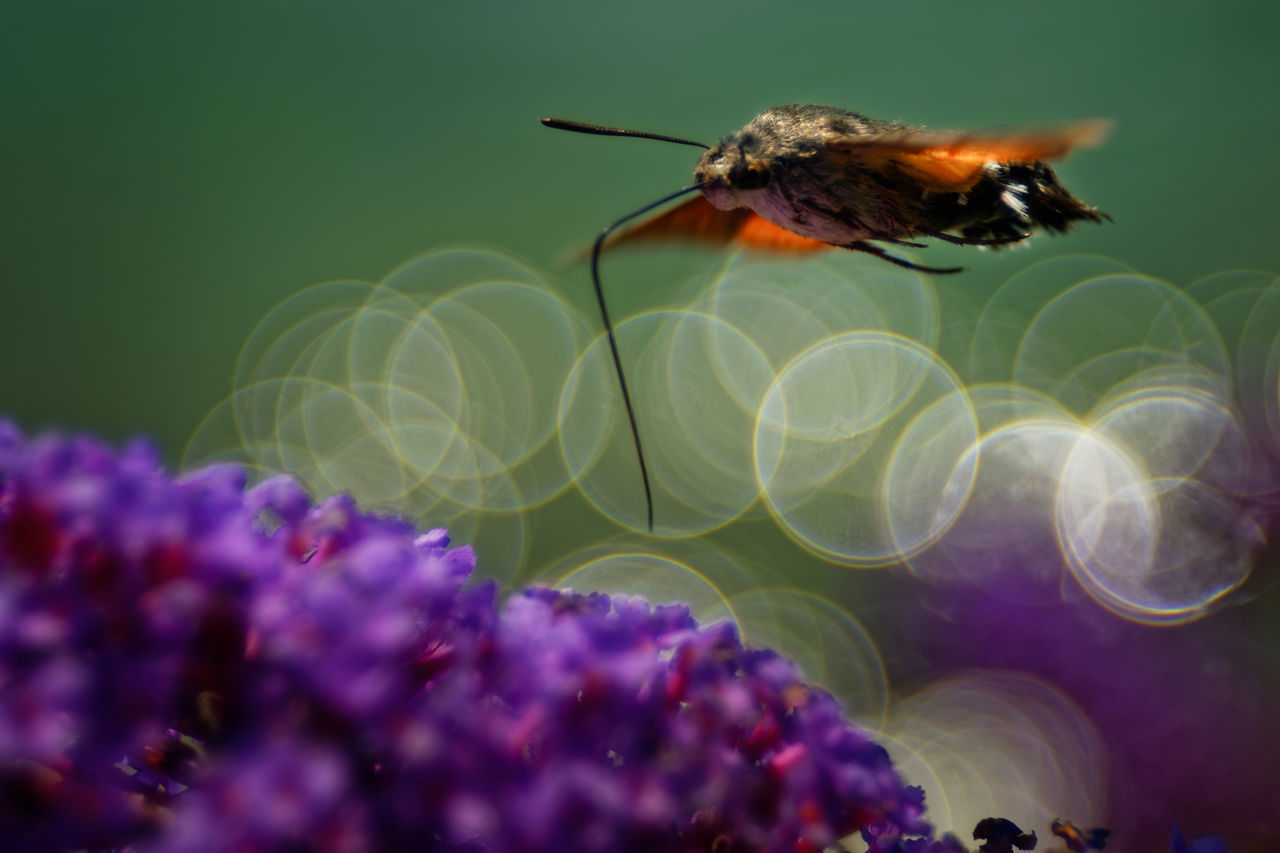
<point x="976" y="241"/>
<point x="860" y="246"/>
<point x="898" y="242"/>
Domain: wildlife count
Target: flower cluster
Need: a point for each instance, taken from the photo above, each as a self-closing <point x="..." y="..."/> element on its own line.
<point x="189" y="665"/>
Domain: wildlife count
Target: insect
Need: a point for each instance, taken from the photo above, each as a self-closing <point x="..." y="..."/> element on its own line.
<point x="805" y="178"/>
<point x="1079" y="840"/>
<point x="1000" y="835"/>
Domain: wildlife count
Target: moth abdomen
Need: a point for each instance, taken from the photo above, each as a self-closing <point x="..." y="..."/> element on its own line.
<point x="1012" y="198"/>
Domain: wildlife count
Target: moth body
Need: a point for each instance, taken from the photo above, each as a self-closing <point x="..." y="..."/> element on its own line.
<point x="840" y="178"/>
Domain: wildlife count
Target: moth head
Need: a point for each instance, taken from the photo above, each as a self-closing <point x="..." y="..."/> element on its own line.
<point x="728" y="171"/>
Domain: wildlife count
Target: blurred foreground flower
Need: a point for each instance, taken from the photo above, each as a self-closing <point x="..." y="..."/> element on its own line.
<point x="186" y="665"/>
<point x="1207" y="844"/>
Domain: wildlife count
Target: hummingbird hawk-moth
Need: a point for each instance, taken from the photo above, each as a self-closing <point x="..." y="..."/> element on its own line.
<point x="805" y="178"/>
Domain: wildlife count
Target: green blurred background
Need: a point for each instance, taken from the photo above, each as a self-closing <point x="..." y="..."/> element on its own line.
<point x="172" y="170"/>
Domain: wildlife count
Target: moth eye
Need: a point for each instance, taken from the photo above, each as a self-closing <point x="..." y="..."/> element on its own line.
<point x="751" y="177"/>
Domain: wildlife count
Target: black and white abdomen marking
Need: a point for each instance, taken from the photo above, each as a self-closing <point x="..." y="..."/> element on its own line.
<point x="1012" y="198"/>
<point x="1015" y="194"/>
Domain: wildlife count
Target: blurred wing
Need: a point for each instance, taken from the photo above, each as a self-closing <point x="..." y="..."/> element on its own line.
<point x="953" y="162"/>
<point x="698" y="221"/>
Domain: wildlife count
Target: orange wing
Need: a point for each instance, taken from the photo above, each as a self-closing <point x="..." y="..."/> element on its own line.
<point x="698" y="221"/>
<point x="953" y="162"/>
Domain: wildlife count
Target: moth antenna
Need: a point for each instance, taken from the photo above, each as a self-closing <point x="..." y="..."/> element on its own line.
<point x="613" y="344"/>
<point x="580" y="127"/>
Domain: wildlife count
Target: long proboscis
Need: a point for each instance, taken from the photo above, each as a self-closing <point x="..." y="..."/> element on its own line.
<point x="613" y="344"/>
<point x="596" y="248"/>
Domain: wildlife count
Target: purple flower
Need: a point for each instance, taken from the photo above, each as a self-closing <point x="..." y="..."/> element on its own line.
<point x="1207" y="844"/>
<point x="187" y="665"/>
